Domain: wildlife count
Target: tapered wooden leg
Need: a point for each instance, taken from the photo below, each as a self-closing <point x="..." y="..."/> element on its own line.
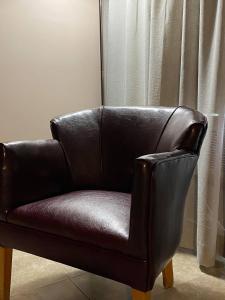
<point x="168" y="275"/>
<point x="138" y="295"/>
<point x="5" y="272"/>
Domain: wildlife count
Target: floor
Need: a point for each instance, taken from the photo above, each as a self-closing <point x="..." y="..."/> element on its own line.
<point x="35" y="278"/>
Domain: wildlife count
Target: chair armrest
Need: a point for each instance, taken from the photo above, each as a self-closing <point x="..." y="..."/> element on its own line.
<point x="30" y="171"/>
<point x="160" y="186"/>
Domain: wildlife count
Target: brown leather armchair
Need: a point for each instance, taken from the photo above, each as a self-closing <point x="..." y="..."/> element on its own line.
<point x="106" y="195"/>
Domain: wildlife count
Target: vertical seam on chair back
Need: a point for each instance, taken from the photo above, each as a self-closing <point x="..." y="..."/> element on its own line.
<point x="164" y="128"/>
<point x="100" y="146"/>
<point x="55" y="135"/>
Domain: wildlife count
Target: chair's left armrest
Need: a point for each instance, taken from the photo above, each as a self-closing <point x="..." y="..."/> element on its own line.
<point x="31" y="171"/>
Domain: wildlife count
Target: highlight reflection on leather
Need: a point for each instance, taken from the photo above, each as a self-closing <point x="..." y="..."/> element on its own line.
<point x="107" y="194"/>
<point x="98" y="217"/>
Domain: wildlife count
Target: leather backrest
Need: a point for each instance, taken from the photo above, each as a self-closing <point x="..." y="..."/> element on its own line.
<point x="102" y="144"/>
<point x="128" y="133"/>
<point x="79" y="135"/>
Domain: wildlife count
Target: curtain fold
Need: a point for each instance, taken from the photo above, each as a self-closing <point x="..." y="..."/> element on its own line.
<point x="171" y="52"/>
<point x="211" y="100"/>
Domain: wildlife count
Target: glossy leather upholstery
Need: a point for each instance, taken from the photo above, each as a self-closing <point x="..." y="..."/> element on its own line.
<point x="96" y="217"/>
<point x="106" y="194"/>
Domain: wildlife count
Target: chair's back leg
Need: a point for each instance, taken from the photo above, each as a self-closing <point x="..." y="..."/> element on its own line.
<point x="138" y="295"/>
<point x="168" y="275"/>
<point x="5" y="272"/>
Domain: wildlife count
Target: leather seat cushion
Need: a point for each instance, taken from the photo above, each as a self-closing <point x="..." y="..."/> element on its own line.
<point x="97" y="217"/>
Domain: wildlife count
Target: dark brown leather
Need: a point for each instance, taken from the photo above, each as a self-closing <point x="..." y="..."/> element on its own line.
<point x="79" y="136"/>
<point x="157" y="206"/>
<point x="97" y="217"/>
<point x="30" y="171"/>
<point x="102" y="144"/>
<point x="185" y="130"/>
<point x="127" y="133"/>
<point x="98" y="260"/>
<point x="129" y="170"/>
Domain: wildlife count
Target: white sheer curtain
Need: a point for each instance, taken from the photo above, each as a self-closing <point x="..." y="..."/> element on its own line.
<point x="170" y="52"/>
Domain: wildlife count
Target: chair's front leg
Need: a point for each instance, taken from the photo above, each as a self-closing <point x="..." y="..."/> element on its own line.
<point x="138" y="295"/>
<point x="5" y="272"/>
<point x="168" y="275"/>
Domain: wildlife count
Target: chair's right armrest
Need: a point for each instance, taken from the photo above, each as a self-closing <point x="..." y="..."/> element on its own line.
<point x="31" y="171"/>
<point x="160" y="186"/>
<point x="157" y="205"/>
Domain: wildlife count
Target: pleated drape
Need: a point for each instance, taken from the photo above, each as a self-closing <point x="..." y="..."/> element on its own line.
<point x="171" y="52"/>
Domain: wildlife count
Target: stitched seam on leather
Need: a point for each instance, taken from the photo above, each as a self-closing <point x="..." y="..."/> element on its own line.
<point x="100" y="146"/>
<point x="67" y="165"/>
<point x="67" y="168"/>
<point x="164" y="128"/>
<point x="79" y="243"/>
<point x="166" y="159"/>
<point x="174" y="159"/>
<point x="149" y="225"/>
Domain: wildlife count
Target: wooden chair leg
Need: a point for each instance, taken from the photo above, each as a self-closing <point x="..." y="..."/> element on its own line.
<point x="168" y="275"/>
<point x="5" y="272"/>
<point x="138" y="295"/>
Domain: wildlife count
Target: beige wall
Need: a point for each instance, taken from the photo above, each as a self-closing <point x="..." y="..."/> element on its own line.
<point x="49" y="63"/>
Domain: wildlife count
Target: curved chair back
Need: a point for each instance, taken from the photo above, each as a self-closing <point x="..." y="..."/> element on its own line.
<point x="102" y="144"/>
